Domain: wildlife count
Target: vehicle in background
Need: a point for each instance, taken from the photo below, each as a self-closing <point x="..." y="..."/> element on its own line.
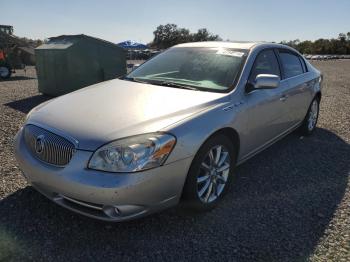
<point x="14" y="52"/>
<point x="141" y="54"/>
<point x="5" y="68"/>
<point x="326" y="57"/>
<point x="133" y="66"/>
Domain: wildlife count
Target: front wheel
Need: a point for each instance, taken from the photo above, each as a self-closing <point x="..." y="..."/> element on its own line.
<point x="210" y="173"/>
<point x="5" y="72"/>
<point x="309" y="124"/>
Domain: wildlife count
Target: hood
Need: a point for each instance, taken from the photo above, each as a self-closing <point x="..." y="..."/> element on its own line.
<point x="114" y="109"/>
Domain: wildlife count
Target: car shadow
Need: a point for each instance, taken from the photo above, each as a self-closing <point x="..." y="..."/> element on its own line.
<point x="277" y="209"/>
<point x="27" y="104"/>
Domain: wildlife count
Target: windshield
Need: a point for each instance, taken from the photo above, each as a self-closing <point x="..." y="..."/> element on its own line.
<point x="212" y="69"/>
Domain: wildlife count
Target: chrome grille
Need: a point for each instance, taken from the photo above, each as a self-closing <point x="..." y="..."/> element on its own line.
<point x="48" y="147"/>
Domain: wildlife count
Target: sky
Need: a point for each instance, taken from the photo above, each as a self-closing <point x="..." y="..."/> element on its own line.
<point x="116" y="21"/>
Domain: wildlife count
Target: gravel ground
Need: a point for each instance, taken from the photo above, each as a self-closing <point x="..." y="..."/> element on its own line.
<point x="289" y="203"/>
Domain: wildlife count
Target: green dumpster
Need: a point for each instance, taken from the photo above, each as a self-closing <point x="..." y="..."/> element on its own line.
<point x="70" y="62"/>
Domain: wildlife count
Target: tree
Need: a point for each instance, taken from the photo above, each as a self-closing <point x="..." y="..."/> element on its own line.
<point x="204" y="35"/>
<point x="305" y="47"/>
<point x="340" y="45"/>
<point x="342" y="37"/>
<point x="168" y="35"/>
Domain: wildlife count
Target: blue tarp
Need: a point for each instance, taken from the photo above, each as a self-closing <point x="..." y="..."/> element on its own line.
<point x="132" y="45"/>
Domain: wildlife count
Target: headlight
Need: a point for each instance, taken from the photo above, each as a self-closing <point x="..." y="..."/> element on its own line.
<point x="133" y="153"/>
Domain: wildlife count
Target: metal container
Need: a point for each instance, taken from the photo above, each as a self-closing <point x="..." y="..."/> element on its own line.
<point x="70" y="62"/>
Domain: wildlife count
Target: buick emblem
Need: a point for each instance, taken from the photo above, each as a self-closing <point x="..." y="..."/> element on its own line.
<point x="39" y="144"/>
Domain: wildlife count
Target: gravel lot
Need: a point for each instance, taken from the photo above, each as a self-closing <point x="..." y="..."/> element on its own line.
<point x="290" y="203"/>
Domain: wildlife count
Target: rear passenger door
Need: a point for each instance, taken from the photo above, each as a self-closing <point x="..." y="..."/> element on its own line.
<point x="297" y="95"/>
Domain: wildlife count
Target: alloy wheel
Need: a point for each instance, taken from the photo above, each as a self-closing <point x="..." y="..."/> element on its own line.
<point x="213" y="174"/>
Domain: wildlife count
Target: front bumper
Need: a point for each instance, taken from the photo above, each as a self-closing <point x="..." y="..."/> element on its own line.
<point x="103" y="195"/>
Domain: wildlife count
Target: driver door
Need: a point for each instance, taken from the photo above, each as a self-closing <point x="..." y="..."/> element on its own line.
<point x="266" y="110"/>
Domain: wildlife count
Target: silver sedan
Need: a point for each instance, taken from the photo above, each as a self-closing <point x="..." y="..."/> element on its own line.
<point x="171" y="130"/>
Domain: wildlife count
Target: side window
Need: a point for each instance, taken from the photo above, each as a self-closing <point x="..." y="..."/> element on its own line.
<point x="291" y="64"/>
<point x="265" y="63"/>
<point x="303" y="64"/>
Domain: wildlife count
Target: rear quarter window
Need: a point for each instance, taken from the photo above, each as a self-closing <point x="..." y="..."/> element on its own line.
<point x="302" y="61"/>
<point x="292" y="66"/>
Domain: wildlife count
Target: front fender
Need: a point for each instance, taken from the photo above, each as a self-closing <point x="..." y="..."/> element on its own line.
<point x="193" y="132"/>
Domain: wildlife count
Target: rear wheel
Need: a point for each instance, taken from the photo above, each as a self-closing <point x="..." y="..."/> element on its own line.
<point x="309" y="124"/>
<point x="5" y="71"/>
<point x="210" y="174"/>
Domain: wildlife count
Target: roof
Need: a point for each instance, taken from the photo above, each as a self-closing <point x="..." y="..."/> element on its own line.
<point x="56" y="45"/>
<point x="65" y="41"/>
<point x="238" y="45"/>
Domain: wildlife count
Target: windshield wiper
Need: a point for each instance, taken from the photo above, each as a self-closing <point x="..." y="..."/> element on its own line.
<point x="133" y="79"/>
<point x="176" y="85"/>
<point x="161" y="83"/>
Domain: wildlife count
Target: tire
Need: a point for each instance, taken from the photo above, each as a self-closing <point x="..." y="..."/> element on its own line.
<point x="310" y="121"/>
<point x="5" y="71"/>
<point x="195" y="197"/>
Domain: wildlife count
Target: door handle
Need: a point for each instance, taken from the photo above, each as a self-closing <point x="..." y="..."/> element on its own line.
<point x="283" y="98"/>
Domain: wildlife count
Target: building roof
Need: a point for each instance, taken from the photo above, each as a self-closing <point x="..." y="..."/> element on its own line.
<point x="82" y="36"/>
<point x="66" y="41"/>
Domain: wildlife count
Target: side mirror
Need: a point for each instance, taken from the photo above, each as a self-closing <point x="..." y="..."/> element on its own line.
<point x="264" y="81"/>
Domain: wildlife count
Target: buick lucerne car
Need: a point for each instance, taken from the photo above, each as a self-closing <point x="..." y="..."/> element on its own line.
<point x="171" y="130"/>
